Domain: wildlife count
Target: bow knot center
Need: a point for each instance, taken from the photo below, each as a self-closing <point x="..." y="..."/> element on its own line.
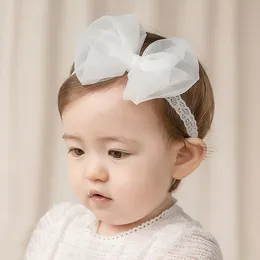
<point x="136" y="60"/>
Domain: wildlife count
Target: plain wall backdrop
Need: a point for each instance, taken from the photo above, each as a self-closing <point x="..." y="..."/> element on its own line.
<point x="37" y="43"/>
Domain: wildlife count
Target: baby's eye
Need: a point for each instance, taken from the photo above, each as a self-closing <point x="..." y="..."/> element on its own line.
<point x="118" y="154"/>
<point x="76" y="152"/>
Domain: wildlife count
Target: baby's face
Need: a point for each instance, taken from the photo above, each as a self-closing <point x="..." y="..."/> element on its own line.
<point x="119" y="152"/>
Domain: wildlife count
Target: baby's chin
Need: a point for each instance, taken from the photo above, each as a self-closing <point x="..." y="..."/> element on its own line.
<point x="124" y="216"/>
<point x="112" y="217"/>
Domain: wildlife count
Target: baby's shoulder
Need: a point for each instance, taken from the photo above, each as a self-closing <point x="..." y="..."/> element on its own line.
<point x="64" y="210"/>
<point x="50" y="226"/>
<point x="193" y="243"/>
<point x="58" y="216"/>
<point x="185" y="237"/>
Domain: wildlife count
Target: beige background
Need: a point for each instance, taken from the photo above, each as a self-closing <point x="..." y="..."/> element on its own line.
<point x="37" y="39"/>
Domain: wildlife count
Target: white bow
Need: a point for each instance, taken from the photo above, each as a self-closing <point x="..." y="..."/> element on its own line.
<point x="111" y="45"/>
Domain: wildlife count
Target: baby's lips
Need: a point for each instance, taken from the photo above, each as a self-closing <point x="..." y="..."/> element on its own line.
<point x="97" y="193"/>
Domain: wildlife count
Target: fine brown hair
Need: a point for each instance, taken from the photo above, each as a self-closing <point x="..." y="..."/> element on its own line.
<point x="199" y="99"/>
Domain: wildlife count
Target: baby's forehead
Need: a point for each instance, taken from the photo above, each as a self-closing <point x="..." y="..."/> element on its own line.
<point x="106" y="109"/>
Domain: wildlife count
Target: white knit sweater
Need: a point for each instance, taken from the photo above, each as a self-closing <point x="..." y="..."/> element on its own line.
<point x="68" y="232"/>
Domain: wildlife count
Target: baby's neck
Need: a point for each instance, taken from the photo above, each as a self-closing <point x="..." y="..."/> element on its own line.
<point x="112" y="230"/>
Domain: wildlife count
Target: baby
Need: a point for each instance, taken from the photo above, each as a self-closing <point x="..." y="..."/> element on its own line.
<point x="135" y="110"/>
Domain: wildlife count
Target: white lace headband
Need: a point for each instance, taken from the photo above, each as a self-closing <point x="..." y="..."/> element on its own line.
<point x="110" y="46"/>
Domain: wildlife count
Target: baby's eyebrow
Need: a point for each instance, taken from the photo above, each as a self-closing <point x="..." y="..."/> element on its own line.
<point x="120" y="139"/>
<point x="73" y="137"/>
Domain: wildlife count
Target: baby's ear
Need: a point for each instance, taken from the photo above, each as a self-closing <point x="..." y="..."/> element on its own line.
<point x="189" y="157"/>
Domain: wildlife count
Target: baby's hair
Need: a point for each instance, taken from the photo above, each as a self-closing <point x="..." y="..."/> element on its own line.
<point x="199" y="98"/>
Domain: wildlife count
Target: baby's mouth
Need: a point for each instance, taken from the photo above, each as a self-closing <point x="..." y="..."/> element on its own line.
<point x="98" y="195"/>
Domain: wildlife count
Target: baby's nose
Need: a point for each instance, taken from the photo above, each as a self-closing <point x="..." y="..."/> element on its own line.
<point x="97" y="173"/>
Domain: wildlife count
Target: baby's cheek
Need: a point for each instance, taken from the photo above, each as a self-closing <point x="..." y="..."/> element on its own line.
<point x="133" y="187"/>
<point x="76" y="176"/>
